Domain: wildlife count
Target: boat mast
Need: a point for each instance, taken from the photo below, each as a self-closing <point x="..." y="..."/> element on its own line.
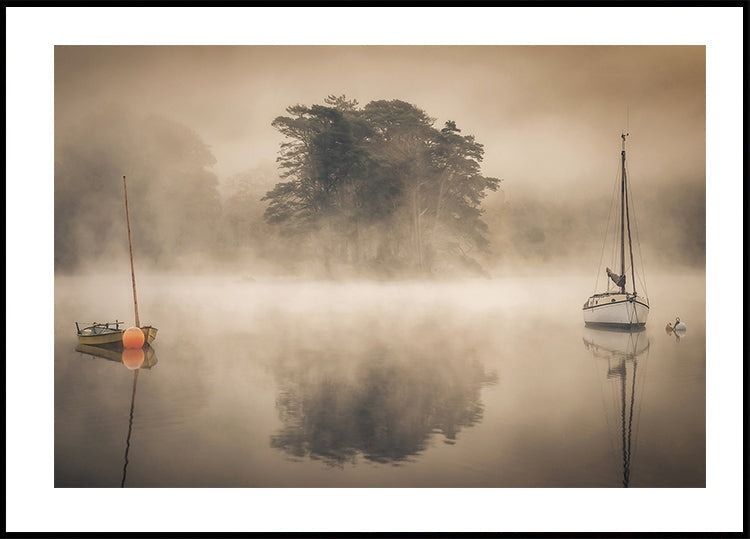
<point x="130" y="244"/>
<point x="622" y="215"/>
<point x="630" y="238"/>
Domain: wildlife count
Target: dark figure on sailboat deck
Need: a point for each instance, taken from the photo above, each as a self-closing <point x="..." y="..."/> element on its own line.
<point x="619" y="280"/>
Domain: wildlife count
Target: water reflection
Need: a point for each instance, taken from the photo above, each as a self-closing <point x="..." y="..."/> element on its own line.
<point x="619" y="351"/>
<point x="116" y="353"/>
<point x="382" y="403"/>
<point x="130" y="428"/>
<point x="132" y="359"/>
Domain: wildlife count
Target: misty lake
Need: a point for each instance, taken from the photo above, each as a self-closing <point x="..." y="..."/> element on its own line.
<point x="284" y="383"/>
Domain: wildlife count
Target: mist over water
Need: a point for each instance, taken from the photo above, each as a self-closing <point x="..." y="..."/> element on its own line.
<point x="480" y="382"/>
<point x="194" y="131"/>
<point x="363" y="281"/>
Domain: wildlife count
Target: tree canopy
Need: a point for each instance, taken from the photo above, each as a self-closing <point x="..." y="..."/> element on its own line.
<point x="379" y="186"/>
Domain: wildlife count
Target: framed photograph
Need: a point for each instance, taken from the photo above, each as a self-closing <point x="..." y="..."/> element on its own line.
<point x="301" y="274"/>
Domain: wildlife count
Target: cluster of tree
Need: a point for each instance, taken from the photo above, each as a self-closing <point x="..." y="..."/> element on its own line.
<point x="174" y="204"/>
<point x="379" y="187"/>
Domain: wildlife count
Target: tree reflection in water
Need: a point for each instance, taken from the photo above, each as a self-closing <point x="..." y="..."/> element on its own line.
<point x="384" y="405"/>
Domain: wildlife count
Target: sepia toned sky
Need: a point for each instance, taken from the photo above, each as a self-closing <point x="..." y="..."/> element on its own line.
<point x="550" y="117"/>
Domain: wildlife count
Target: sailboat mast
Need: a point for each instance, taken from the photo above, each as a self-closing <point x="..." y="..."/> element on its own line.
<point x="130" y="244"/>
<point x="622" y="215"/>
<point x="630" y="238"/>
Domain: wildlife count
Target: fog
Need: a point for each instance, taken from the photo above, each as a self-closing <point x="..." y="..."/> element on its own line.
<point x="191" y="128"/>
<point x="365" y="264"/>
<point x="559" y="109"/>
<point x="339" y="384"/>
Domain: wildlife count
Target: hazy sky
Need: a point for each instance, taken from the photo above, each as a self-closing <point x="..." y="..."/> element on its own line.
<point x="550" y="117"/>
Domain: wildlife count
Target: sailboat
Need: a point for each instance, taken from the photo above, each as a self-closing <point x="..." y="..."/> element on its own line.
<point x="110" y="333"/>
<point x="620" y="305"/>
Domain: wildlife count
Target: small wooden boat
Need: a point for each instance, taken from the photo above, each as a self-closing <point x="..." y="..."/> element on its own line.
<point x="109" y="333"/>
<point x="98" y="333"/>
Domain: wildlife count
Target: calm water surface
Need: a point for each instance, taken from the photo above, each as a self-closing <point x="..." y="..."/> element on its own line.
<point x="271" y="383"/>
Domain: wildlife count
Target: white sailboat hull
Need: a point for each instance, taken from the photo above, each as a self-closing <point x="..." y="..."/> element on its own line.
<point x="618" y="310"/>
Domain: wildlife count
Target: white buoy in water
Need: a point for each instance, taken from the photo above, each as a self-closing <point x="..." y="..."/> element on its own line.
<point x="680" y="327"/>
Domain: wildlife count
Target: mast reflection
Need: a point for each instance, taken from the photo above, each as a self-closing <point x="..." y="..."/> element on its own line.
<point x="132" y="359"/>
<point x="619" y="352"/>
<point x="130" y="428"/>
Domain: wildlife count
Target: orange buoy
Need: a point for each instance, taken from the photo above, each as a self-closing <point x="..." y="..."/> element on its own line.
<point x="133" y="358"/>
<point x="133" y="338"/>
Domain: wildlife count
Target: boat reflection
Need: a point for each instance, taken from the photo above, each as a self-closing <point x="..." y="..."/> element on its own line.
<point x="134" y="360"/>
<point x="618" y="353"/>
<point x="118" y="354"/>
<point x="382" y="404"/>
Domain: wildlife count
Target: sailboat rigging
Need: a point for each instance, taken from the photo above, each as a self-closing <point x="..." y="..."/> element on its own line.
<point x="619" y="307"/>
